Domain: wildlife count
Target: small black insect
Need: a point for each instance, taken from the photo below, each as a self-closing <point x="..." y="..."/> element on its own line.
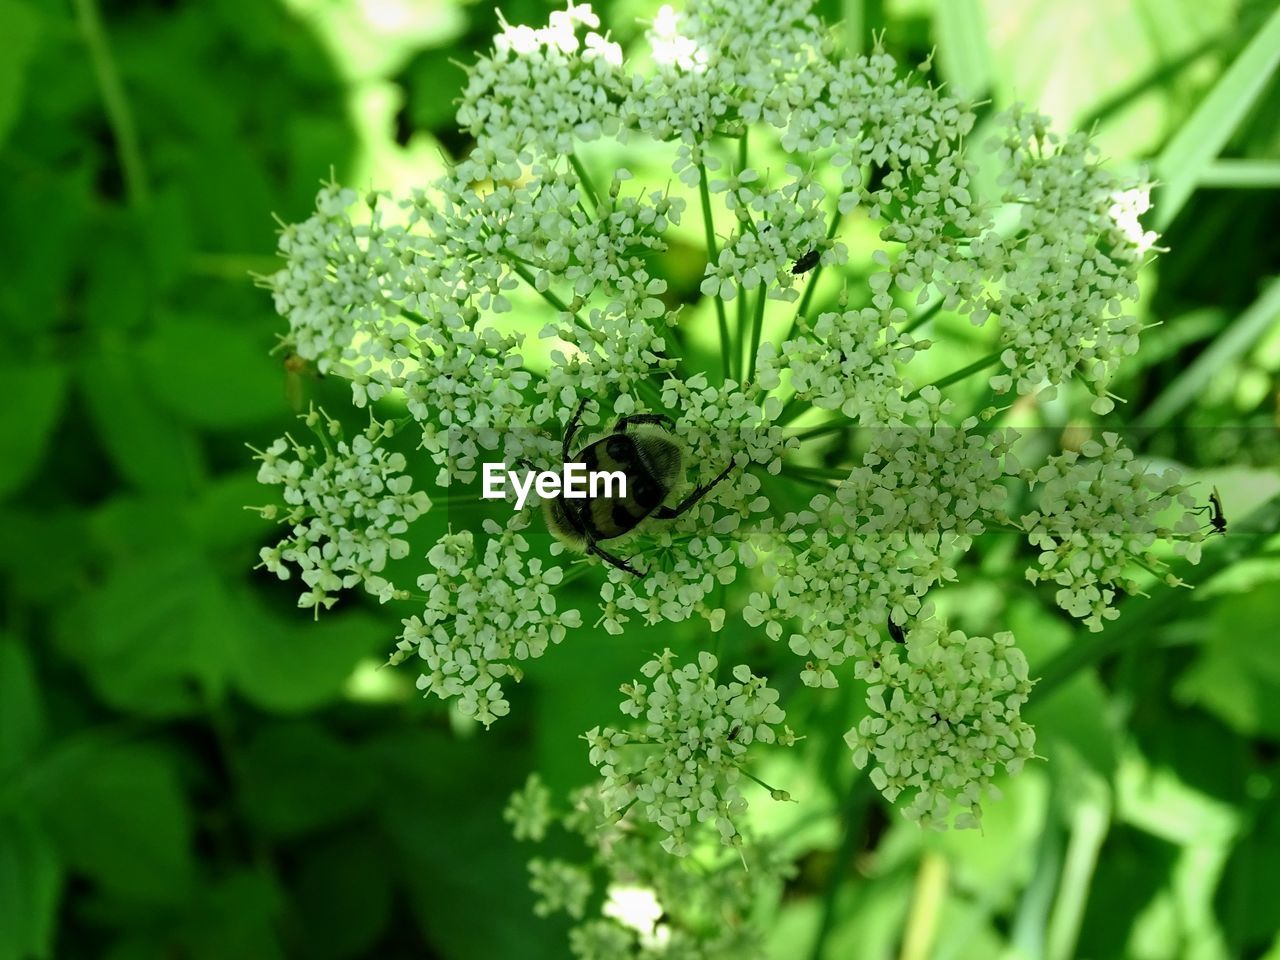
<point x="806" y="262"/>
<point x="896" y="632"/>
<point x="1217" y="519"/>
<point x="653" y="462"/>
<point x="733" y="734"/>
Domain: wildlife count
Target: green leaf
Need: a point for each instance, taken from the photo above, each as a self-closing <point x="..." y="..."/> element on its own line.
<point x="963" y="56"/>
<point x="213" y="373"/>
<point x="238" y="916"/>
<point x="20" y="28"/>
<point x="32" y="400"/>
<point x="30" y="888"/>
<point x="1245" y="896"/>
<point x="22" y="721"/>
<point x="292" y="663"/>
<point x="1230" y="345"/>
<point x="1077" y="717"/>
<point x="342" y="893"/>
<point x="1201" y="138"/>
<point x="298" y="777"/>
<point x="152" y="639"/>
<point x="116" y="813"/>
<point x="147" y="446"/>
<point x="1239" y="682"/>
<point x="432" y="780"/>
<point x="1242" y="174"/>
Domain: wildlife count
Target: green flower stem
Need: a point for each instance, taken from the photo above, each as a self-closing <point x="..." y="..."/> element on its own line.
<point x="990" y="360"/>
<point x="923" y="317"/>
<point x="1142" y="615"/>
<point x="587" y="185"/>
<point x="119" y="114"/>
<point x="756" y="326"/>
<point x="824" y="473"/>
<point x="834" y="426"/>
<point x="712" y="256"/>
<point x="739" y="360"/>
<point x="742" y="332"/>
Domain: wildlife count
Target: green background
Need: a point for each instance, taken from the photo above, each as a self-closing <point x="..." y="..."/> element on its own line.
<point x="190" y="767"/>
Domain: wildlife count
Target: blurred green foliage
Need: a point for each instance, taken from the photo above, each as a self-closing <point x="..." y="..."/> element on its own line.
<point x="189" y="767"/>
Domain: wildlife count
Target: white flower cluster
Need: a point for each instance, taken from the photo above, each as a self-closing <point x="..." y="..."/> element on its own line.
<point x="851" y="563"/>
<point x="541" y="90"/>
<point x="722" y="64"/>
<point x="655" y="905"/>
<point x="484" y="614"/>
<point x="848" y="361"/>
<point x="529" y="810"/>
<point x="776" y="227"/>
<point x="340" y="280"/>
<point x="864" y="112"/>
<point x="1099" y="518"/>
<point x="346" y="506"/>
<point x="559" y="885"/>
<point x="1067" y="272"/>
<point x="945" y="717"/>
<point x="413" y="303"/>
<point x="683" y="763"/>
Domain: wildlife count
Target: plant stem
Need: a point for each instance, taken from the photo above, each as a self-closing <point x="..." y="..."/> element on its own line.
<point x="977" y="366"/>
<point x="119" y="114"/>
<point x="756" y="326"/>
<point x="713" y="256"/>
<point x="587" y="185"/>
<point x="923" y="317"/>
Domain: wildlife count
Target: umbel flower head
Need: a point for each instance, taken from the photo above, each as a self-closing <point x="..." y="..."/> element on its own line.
<point x="856" y="488"/>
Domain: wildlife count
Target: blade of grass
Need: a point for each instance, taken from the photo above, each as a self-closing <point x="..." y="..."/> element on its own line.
<point x="963" y="54"/>
<point x="1157" y="78"/>
<point x="1199" y="141"/>
<point x="1089" y="823"/>
<point x="1232" y="343"/>
<point x="1242" y="174"/>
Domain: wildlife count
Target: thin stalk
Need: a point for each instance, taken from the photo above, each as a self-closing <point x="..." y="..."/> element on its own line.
<point x="977" y="366"/>
<point x="587" y="185"/>
<point x="835" y="426"/>
<point x="923" y="317"/>
<point x="756" y="326"/>
<point x="713" y="255"/>
<point x="124" y="130"/>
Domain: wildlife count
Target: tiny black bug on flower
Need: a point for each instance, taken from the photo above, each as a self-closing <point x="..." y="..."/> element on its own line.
<point x="652" y="460"/>
<point x="1217" y="519"/>
<point x="896" y="632"/>
<point x="806" y="262"/>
